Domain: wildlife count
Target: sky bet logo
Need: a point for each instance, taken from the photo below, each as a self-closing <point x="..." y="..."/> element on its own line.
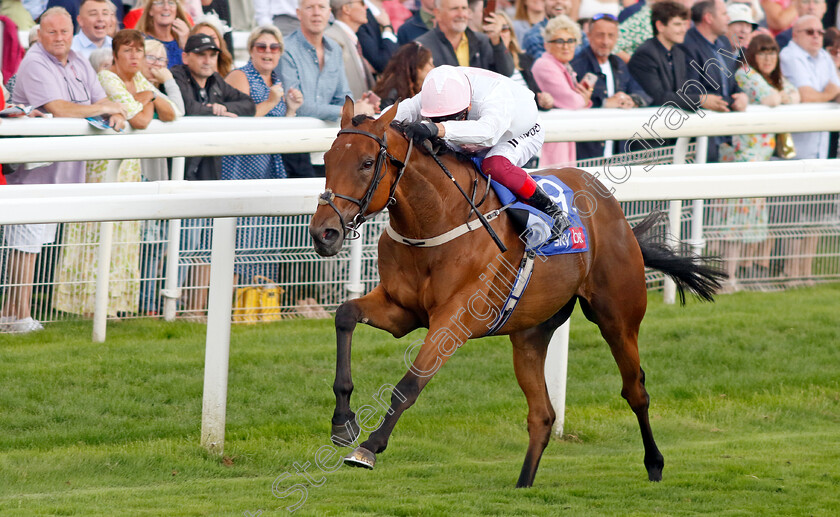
<point x="578" y="238"/>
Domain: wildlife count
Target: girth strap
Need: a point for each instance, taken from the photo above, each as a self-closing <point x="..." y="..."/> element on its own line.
<point x="520" y="283"/>
<point x="452" y="234"/>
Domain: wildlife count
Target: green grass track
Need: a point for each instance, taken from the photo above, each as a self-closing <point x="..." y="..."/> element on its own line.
<point x="745" y="406"/>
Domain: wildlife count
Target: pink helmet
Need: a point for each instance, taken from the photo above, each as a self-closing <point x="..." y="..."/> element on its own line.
<point x="446" y="91"/>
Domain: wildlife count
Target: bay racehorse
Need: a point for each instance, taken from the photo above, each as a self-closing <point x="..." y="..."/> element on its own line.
<point x="451" y="288"/>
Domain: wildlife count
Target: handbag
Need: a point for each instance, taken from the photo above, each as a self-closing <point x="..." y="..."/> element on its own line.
<point x="784" y="147"/>
<point x="258" y="303"/>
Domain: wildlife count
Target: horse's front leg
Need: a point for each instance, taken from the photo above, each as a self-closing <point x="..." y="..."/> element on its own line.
<point x="439" y="345"/>
<point x="377" y="310"/>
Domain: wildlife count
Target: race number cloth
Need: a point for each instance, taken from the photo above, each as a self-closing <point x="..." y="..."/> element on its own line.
<point x="534" y="226"/>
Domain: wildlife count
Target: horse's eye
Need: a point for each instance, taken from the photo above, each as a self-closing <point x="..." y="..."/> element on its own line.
<point x="367" y="164"/>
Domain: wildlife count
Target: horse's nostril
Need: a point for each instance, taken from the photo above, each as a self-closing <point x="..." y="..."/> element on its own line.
<point x="329" y="235"/>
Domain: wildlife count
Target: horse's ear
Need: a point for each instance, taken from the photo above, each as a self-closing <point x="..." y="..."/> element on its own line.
<point x="387" y="116"/>
<point x="347" y="112"/>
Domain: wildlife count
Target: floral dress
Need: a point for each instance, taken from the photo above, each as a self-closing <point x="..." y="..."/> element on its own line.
<point x="76" y="285"/>
<point x="746" y="219"/>
<point x="256" y="235"/>
<point x="634" y="31"/>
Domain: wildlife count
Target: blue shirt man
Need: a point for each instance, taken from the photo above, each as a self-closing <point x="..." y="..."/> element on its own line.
<point x="324" y="85"/>
<point x="312" y="63"/>
<point x="811" y="69"/>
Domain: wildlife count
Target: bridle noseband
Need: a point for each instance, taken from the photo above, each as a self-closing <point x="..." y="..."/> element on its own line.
<point x="327" y="197"/>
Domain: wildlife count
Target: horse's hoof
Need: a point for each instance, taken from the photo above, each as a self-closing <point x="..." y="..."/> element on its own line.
<point x="654" y="469"/>
<point x="346" y="434"/>
<point x="655" y="473"/>
<point x="360" y="457"/>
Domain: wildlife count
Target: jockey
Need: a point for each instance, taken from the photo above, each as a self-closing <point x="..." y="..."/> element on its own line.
<point x="479" y="112"/>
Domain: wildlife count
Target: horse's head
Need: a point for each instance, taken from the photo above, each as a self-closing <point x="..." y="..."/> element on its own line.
<point x="361" y="176"/>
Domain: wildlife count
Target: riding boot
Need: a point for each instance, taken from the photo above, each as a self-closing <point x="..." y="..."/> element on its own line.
<point x="541" y="201"/>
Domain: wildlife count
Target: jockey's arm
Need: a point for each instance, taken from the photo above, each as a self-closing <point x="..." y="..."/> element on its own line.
<point x="409" y="110"/>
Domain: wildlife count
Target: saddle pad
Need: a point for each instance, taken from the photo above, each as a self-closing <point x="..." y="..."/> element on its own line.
<point x="534" y="226"/>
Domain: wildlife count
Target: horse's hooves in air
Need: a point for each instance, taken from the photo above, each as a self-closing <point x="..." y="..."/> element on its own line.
<point x="360" y="457"/>
<point x="346" y="433"/>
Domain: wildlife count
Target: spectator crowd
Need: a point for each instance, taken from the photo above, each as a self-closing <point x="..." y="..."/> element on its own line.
<point x="121" y="65"/>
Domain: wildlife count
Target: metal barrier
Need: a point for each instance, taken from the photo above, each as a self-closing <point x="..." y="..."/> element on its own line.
<point x="106" y="202"/>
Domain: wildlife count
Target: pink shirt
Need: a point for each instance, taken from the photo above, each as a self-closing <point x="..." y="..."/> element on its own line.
<point x="555" y="78"/>
<point x="41" y="79"/>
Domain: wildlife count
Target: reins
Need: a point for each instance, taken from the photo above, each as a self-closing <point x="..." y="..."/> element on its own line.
<point x="481" y="218"/>
<point x="328" y="196"/>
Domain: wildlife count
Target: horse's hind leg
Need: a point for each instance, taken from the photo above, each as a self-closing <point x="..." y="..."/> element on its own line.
<point x="377" y="310"/>
<point x="619" y="319"/>
<point x="529" y="350"/>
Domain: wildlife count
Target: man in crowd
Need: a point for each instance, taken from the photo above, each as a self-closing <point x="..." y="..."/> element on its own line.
<point x="205" y="93"/>
<point x="56" y="80"/>
<point x="712" y="62"/>
<point x="313" y="64"/>
<point x="93" y="26"/>
<point x="420" y="23"/>
<point x="72" y="7"/>
<point x="615" y="87"/>
<point x="349" y="16"/>
<point x="282" y="13"/>
<point x="453" y="43"/>
<point x="659" y="64"/>
<point x="810" y="68"/>
<point x="813" y="7"/>
<point x="377" y="37"/>
<point x="741" y="26"/>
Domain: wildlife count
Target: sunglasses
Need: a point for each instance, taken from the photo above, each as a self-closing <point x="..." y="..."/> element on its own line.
<point x="263" y="47"/>
<point x="601" y="16"/>
<point x="812" y="32"/>
<point x="570" y="41"/>
<point x="460" y="116"/>
<point x="505" y="28"/>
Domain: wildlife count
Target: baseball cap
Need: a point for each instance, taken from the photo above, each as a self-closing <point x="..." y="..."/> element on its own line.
<point x="739" y="12"/>
<point x="200" y="43"/>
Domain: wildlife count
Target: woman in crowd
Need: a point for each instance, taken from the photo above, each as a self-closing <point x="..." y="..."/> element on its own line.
<point x="522" y="63"/>
<point x="219" y="12"/>
<point x="555" y="75"/>
<point x="75" y="291"/>
<point x="526" y="14"/>
<point x="156" y="70"/>
<point x="166" y="21"/>
<point x="259" y="80"/>
<point x="101" y="59"/>
<point x="404" y="74"/>
<point x="225" y="61"/>
<point x="747" y="218"/>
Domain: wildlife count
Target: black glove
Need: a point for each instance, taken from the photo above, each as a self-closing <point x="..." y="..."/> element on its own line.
<point x="421" y="131"/>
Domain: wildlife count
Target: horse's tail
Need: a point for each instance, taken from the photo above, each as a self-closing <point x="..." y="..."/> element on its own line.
<point x="700" y="275"/>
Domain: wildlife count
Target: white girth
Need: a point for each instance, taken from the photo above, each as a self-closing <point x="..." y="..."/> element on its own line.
<point x="452" y="234"/>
